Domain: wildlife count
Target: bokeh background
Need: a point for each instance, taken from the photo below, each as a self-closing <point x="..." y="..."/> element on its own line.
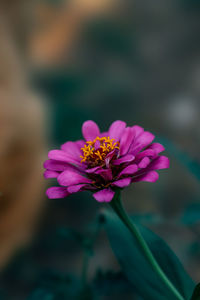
<point x="67" y="61"/>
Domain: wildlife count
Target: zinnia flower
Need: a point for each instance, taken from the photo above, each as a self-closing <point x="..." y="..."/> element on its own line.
<point x="104" y="162"/>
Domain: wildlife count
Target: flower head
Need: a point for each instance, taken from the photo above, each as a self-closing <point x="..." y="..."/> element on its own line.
<point x="104" y="162"/>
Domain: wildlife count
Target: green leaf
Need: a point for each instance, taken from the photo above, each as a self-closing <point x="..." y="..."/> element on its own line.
<point x="196" y="293"/>
<point x="138" y="270"/>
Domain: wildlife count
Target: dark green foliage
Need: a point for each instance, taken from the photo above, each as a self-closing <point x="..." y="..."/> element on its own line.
<point x="196" y="293"/>
<point x="70" y="233"/>
<point x="136" y="267"/>
<point x="112" y="283"/>
<point x="41" y="294"/>
<point x="57" y="286"/>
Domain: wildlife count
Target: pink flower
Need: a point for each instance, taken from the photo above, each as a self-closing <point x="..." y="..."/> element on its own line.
<point x="104" y="162"/>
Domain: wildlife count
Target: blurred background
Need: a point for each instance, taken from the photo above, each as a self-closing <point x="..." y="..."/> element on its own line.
<point x="67" y="61"/>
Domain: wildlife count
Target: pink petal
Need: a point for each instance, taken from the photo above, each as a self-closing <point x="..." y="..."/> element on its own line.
<point x="138" y="130"/>
<point x="144" y="163"/>
<point x="148" y="152"/>
<point x="97" y="145"/>
<point x="126" y="140"/>
<point x="72" y="149"/>
<point x="105" y="173"/>
<point x="92" y="170"/>
<point x="116" y="130"/>
<point x="105" y="195"/>
<point x="162" y="162"/>
<point x="157" y="148"/>
<point x="151" y="176"/>
<point x="59" y="166"/>
<point x="76" y="188"/>
<point x="122" y="182"/>
<point x="131" y="169"/>
<point x="104" y="134"/>
<point x="110" y="156"/>
<point x="55" y="165"/>
<point x="145" y="138"/>
<point x="142" y="141"/>
<point x="50" y="174"/>
<point x="57" y="192"/>
<point x="80" y="143"/>
<point x="90" y="130"/>
<point x="70" y="177"/>
<point x="125" y="159"/>
<point x="60" y="155"/>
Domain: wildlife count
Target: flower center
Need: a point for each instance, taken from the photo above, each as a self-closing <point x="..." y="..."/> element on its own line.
<point x="94" y="152"/>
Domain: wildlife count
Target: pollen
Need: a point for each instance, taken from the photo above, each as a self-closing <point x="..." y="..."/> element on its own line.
<point x="94" y="152"/>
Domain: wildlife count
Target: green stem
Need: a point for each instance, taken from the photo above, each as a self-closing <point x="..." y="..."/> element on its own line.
<point x="118" y="208"/>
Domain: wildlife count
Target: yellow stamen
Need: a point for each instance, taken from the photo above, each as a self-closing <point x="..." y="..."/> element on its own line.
<point x="97" y="156"/>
